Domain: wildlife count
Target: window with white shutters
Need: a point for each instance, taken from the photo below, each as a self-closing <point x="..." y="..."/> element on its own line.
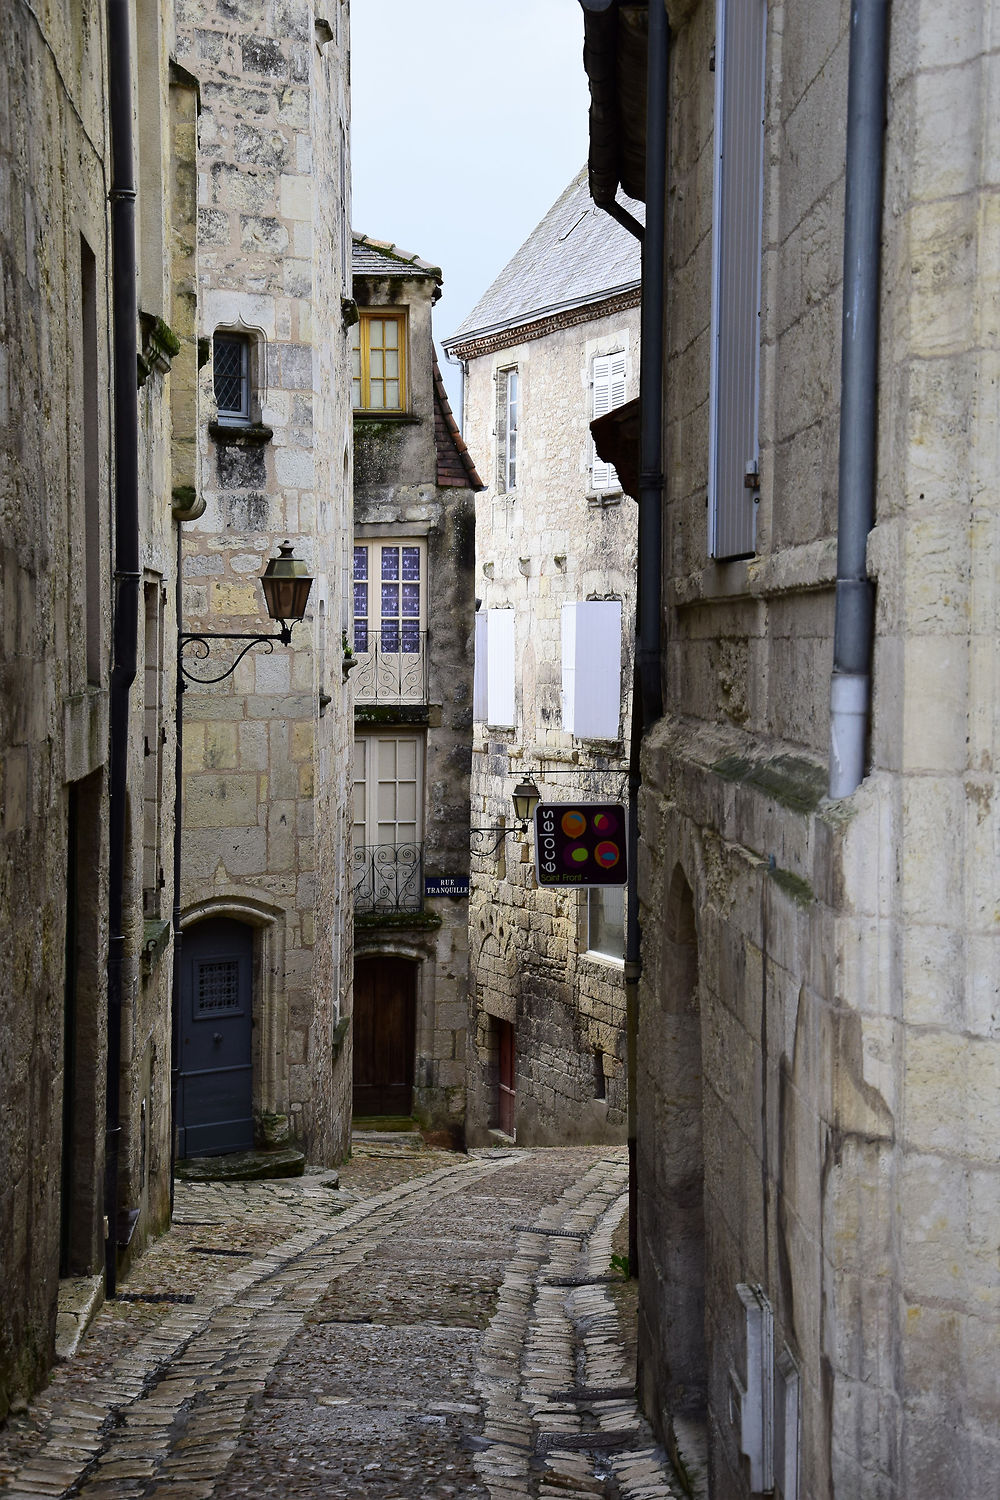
<point x="736" y="276"/>
<point x="479" y="702"/>
<point x="592" y="669"/>
<point x="609" y="392"/>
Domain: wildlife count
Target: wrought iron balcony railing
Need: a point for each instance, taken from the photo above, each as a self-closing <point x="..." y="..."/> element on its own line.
<point x="392" y="665"/>
<point x="388" y="877"/>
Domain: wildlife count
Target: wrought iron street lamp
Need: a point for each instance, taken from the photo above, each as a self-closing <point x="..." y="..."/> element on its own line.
<point x="286" y="584"/>
<point x="525" y="798"/>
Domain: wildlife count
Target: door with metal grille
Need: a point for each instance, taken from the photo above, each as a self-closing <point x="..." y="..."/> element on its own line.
<point x="215" y="1103"/>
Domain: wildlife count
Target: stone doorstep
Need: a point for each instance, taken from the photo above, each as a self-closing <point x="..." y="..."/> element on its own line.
<point x="79" y="1299"/>
<point x="242" y="1166"/>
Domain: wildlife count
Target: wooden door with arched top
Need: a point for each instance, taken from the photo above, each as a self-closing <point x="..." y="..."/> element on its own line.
<point x="385" y="1009"/>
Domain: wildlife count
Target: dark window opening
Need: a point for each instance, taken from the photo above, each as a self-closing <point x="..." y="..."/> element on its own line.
<point x="231" y="370"/>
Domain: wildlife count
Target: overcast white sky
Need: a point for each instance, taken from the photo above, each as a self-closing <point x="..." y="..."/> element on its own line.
<point x="468" y="118"/>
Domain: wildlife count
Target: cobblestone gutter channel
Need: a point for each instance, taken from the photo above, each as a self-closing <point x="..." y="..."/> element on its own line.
<point x="405" y="1342"/>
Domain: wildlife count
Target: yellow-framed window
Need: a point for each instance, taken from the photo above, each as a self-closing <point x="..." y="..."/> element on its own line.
<point x="378" y="361"/>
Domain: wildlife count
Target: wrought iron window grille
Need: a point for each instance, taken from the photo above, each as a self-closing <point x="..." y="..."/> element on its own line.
<point x="388" y="877"/>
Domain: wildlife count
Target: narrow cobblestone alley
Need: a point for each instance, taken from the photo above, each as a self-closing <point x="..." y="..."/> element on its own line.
<point x="439" y="1325"/>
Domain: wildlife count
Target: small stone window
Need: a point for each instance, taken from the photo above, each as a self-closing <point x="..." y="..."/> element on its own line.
<point x="231" y="372"/>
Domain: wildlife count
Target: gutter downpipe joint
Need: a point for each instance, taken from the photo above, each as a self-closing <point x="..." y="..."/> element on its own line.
<point x="850" y="688"/>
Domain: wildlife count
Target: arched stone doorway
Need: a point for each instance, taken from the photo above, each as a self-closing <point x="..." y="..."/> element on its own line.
<point x="215" y="1096"/>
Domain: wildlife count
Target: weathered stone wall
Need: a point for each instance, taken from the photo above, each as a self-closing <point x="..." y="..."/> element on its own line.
<point x="57" y="572"/>
<point x="396" y="494"/>
<point x="267" y="752"/>
<point x="817" y="1037"/>
<point x="539" y="546"/>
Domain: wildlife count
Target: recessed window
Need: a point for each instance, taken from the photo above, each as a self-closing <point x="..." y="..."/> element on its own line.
<point x="507" y="429"/>
<point x="389" y="592"/>
<point x="231" y="373"/>
<point x="606" y="921"/>
<point x="378" y="361"/>
<point x="609" y="392"/>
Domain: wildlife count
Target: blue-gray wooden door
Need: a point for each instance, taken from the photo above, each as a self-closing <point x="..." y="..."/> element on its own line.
<point x="216" y="1093"/>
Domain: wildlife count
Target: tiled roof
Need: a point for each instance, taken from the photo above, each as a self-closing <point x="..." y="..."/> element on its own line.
<point x="576" y="255"/>
<point x="455" y="468"/>
<point x="380" y="258"/>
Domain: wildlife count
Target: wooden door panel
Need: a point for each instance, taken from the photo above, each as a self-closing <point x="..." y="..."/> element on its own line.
<point x="384" y="1036"/>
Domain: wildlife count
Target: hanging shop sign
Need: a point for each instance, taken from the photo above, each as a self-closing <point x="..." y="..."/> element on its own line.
<point x="580" y="844"/>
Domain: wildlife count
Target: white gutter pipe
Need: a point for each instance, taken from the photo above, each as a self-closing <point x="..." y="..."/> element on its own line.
<point x="850" y="689"/>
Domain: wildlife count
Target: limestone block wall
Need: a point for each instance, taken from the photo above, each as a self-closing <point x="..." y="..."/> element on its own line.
<point x="56" y="419"/>
<point x="817" y="1045"/>
<point x="543" y="544"/>
<point x="267" y="751"/>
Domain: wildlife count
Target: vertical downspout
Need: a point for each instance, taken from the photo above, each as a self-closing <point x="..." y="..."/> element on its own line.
<point x="647" y="702"/>
<point x="850" y="689"/>
<point x="127" y="574"/>
<point x="175" y="991"/>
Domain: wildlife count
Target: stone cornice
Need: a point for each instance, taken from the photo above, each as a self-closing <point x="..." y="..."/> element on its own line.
<point x="522" y="333"/>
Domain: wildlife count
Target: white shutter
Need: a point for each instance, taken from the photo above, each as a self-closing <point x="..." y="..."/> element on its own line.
<point x="592" y="668"/>
<point x="736" y="257"/>
<point x="500" y="668"/>
<point x="569" y="666"/>
<point x="479" y="701"/>
<point x="609" y="392"/>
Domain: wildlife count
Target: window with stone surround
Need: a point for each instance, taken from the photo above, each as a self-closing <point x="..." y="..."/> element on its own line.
<point x="508" y="401"/>
<point x="231" y="368"/>
<point x="608" y="388"/>
<point x="378" y="360"/>
<point x="606" y="921"/>
<point x="389" y="595"/>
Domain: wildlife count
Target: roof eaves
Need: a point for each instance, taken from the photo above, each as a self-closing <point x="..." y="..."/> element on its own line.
<point x="451" y="426"/>
<point x="407" y="261"/>
<point x="536" y="315"/>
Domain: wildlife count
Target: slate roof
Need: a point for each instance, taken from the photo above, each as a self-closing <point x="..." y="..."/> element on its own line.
<point x="380" y="258"/>
<point x="576" y="255"/>
<point x="455" y="468"/>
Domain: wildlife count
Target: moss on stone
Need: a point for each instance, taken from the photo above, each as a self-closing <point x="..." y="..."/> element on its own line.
<point x="367" y="920"/>
<point x="793" y="885"/>
<point x="792" y="781"/>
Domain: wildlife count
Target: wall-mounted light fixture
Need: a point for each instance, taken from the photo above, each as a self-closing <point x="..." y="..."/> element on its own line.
<point x="525" y="798"/>
<point x="286" y="584"/>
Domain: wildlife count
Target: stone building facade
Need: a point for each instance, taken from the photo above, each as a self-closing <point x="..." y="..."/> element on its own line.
<point x="819" y="1053"/>
<point x="411" y="661"/>
<point x="93" y="488"/>
<point x="552" y="343"/>
<point x="267" y="750"/>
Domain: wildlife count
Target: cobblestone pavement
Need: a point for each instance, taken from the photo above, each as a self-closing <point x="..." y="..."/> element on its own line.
<point x="438" y="1326"/>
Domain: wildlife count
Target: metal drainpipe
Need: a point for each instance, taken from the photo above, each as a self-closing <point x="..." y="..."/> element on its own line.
<point x="127" y="572"/>
<point x="175" y="992"/>
<point x="850" y="688"/>
<point x="647" y="700"/>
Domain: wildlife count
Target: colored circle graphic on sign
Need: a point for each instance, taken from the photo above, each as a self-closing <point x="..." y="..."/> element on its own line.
<point x="607" y="854"/>
<point x="574" y="824"/>
<point x="604" y="823"/>
<point x="575" y="856"/>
